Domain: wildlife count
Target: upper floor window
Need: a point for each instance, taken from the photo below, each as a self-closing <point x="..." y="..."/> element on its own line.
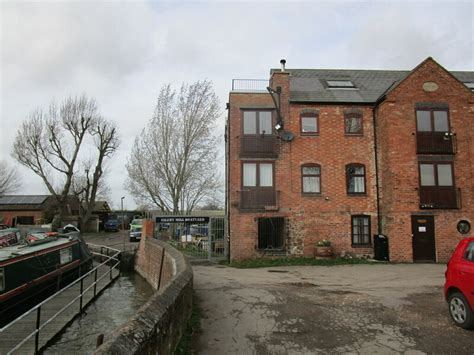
<point x="432" y="120"/>
<point x="353" y="124"/>
<point x="436" y="174"/>
<point x="309" y="123"/>
<point x="360" y="230"/>
<point x="311" y="179"/>
<point x="355" y="179"/>
<point x="257" y="174"/>
<point x="257" y="122"/>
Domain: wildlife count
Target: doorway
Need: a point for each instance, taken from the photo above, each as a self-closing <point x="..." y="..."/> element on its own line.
<point x="424" y="249"/>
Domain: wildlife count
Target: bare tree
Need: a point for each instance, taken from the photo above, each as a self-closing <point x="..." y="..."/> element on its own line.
<point x="9" y="179"/>
<point x="90" y="186"/>
<point x="49" y="142"/>
<point x="173" y="162"/>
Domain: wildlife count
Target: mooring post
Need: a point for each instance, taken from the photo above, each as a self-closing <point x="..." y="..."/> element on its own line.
<point x="38" y="318"/>
<point x="161" y="267"/>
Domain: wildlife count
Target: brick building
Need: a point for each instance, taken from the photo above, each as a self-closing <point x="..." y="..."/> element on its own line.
<point x="346" y="154"/>
<point x="34" y="209"/>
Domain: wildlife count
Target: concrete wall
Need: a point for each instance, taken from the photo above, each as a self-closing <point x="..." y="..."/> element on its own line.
<point x="158" y="325"/>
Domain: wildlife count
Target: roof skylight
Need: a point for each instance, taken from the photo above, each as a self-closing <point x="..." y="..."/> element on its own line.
<point x="340" y="84"/>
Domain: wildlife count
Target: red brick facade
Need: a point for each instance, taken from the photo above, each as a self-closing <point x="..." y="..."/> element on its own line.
<point x="398" y="159"/>
<point x="309" y="218"/>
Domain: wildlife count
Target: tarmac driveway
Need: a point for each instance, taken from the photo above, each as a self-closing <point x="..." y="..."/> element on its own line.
<point x="359" y="309"/>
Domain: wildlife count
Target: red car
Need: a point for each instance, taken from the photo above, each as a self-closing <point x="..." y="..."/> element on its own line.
<point x="459" y="285"/>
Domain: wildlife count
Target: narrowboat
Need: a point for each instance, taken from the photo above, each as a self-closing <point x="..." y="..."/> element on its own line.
<point x="35" y="266"/>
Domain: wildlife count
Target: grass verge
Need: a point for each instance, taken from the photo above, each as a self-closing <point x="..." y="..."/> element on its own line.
<point x="193" y="327"/>
<point x="256" y="263"/>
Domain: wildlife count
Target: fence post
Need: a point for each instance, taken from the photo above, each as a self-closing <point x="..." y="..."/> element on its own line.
<point x="95" y="282"/>
<point x="209" y="240"/>
<point x="38" y="317"/>
<point x="161" y="267"/>
<point x="110" y="265"/>
<point x="80" y="300"/>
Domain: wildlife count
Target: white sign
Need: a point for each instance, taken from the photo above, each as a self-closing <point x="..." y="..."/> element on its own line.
<point x="422" y="229"/>
<point x="65" y="255"/>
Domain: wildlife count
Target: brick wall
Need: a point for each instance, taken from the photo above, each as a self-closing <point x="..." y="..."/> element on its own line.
<point x="149" y="256"/>
<point x="6" y="217"/>
<point x="398" y="160"/>
<point x="308" y="218"/>
<point x="159" y="324"/>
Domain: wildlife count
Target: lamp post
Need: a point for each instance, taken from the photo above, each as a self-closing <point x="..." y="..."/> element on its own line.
<point x="121" y="203"/>
<point x="123" y="238"/>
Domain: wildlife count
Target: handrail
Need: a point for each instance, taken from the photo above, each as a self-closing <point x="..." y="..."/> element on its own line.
<point x="37" y="308"/>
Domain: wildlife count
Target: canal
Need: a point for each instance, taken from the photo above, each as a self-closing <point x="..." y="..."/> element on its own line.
<point x="110" y="310"/>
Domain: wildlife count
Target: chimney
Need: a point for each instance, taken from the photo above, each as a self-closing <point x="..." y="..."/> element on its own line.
<point x="283" y="62"/>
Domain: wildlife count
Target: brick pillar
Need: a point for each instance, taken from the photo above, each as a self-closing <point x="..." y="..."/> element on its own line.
<point x="148" y="228"/>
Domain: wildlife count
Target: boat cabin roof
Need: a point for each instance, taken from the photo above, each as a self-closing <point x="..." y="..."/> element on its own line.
<point x="10" y="252"/>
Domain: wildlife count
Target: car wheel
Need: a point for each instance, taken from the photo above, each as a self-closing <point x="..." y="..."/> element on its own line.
<point x="460" y="311"/>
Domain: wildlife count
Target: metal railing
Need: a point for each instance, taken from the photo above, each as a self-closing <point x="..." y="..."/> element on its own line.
<point x="250" y="85"/>
<point x="99" y="277"/>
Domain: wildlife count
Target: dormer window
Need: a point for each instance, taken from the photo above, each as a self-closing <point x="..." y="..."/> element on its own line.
<point x="340" y="84"/>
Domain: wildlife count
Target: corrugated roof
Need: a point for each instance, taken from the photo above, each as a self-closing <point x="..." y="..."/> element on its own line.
<point x="23" y="199"/>
<point x="309" y="85"/>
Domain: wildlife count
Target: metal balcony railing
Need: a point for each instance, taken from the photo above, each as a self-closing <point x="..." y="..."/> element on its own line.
<point x="435" y="142"/>
<point x="260" y="146"/>
<point x="440" y="198"/>
<point x="38" y="325"/>
<point x="250" y="85"/>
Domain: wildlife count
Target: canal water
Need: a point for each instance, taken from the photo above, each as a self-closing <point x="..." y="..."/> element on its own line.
<point x="110" y="310"/>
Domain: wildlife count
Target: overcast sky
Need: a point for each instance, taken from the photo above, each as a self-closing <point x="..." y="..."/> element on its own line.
<point x="121" y="53"/>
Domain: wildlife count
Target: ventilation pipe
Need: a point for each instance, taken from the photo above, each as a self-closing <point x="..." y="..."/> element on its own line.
<point x="283" y="62"/>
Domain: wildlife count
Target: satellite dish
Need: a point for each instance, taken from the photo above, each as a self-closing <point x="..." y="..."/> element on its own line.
<point x="287" y="136"/>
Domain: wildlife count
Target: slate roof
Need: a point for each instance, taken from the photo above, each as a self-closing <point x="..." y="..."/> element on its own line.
<point x="23" y="199"/>
<point x="309" y="85"/>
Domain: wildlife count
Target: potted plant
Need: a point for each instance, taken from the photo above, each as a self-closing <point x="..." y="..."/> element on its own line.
<point x="323" y="248"/>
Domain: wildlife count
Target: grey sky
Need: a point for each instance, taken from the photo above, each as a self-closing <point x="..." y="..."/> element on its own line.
<point x="121" y="53"/>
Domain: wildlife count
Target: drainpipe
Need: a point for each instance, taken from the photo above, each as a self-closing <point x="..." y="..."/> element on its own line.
<point x="227" y="184"/>
<point x="377" y="186"/>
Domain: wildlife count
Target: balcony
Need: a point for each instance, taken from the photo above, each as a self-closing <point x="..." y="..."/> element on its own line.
<point x="258" y="146"/>
<point x="440" y="198"/>
<point x="435" y="142"/>
<point x="250" y="85"/>
<point x="259" y="199"/>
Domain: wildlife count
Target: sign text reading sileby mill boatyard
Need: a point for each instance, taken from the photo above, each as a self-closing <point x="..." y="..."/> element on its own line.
<point x="182" y="219"/>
